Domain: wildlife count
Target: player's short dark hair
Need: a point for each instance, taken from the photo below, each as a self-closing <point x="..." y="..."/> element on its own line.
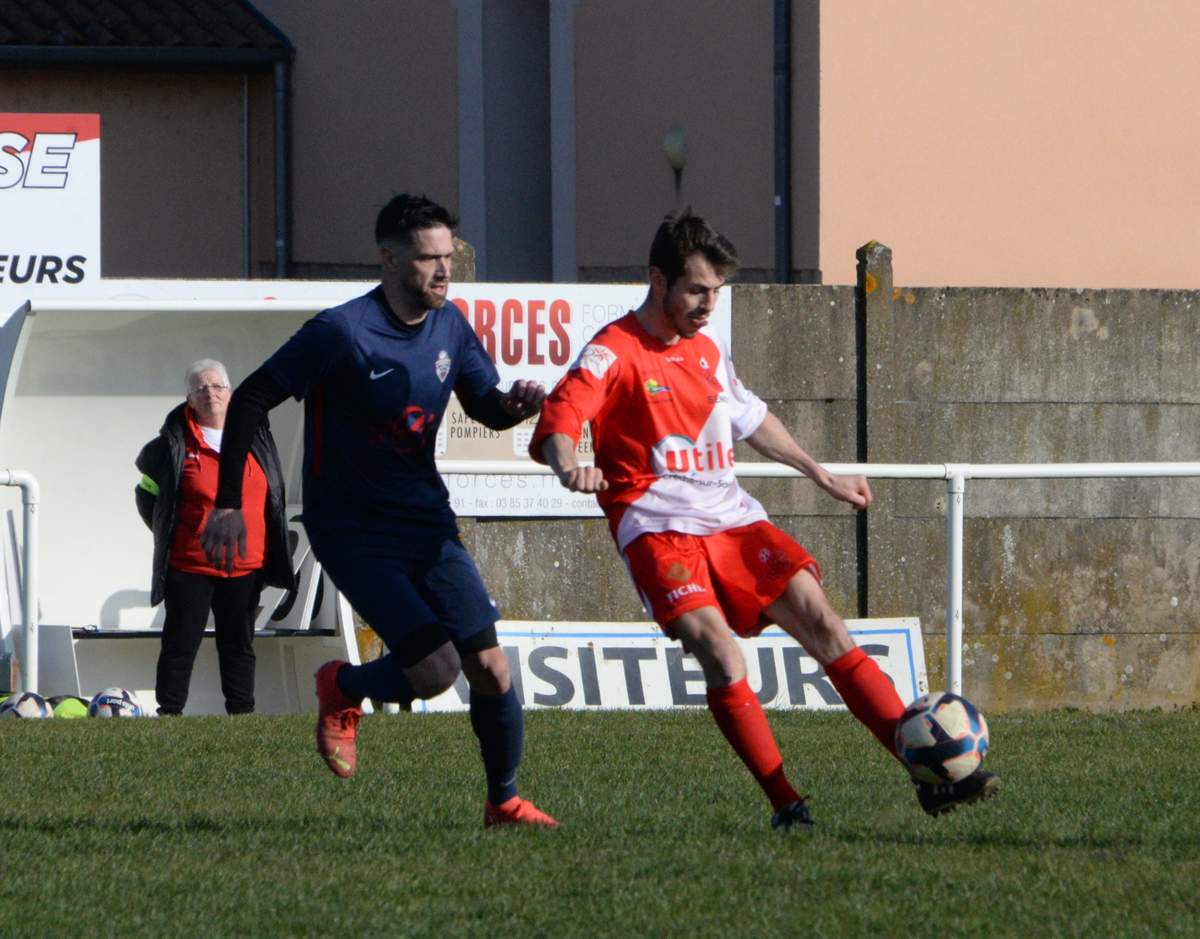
<point x="405" y="214"/>
<point x="684" y="234"/>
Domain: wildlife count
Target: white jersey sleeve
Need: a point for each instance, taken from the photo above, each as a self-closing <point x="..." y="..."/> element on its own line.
<point x="747" y="410"/>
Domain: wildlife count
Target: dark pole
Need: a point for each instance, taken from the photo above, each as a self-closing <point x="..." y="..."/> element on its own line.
<point x="247" y="247"/>
<point x="783" y="141"/>
<point x="283" y="170"/>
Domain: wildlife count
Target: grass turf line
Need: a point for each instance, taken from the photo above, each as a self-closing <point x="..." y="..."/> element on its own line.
<point x="223" y="827"/>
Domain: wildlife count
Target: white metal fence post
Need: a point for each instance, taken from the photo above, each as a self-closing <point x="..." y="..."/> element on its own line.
<point x="956" y="484"/>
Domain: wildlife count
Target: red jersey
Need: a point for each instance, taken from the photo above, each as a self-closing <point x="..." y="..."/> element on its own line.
<point x="198" y="493"/>
<point x="663" y="421"/>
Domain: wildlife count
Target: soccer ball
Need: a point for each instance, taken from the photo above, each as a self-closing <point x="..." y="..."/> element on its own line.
<point x="27" y="705"/>
<point x="115" y="702"/>
<point x="69" y="705"/>
<point x="941" y="737"/>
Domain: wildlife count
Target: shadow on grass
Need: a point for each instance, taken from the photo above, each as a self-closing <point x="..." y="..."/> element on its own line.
<point x="1012" y="839"/>
<point x="199" y="824"/>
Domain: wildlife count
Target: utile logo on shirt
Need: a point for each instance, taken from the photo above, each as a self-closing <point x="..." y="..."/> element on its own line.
<point x="678" y="454"/>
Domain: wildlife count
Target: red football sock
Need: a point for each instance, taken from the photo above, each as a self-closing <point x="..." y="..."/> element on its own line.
<point x="741" y="719"/>
<point x="868" y="693"/>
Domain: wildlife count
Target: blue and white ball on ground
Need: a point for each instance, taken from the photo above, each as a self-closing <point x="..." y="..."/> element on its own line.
<point x="941" y="737"/>
<point x="115" y="702"/>
<point x="28" y="704"/>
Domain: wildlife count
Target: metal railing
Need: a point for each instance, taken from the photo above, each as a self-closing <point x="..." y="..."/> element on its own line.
<point x="29" y="571"/>
<point x="955" y="475"/>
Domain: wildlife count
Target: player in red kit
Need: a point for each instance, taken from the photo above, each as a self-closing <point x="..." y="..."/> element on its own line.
<point x="665" y="407"/>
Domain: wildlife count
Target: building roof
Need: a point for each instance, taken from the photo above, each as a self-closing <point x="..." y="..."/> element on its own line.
<point x="139" y="32"/>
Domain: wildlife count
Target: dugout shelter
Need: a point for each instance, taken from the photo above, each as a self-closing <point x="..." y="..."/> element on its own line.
<point x="85" y="384"/>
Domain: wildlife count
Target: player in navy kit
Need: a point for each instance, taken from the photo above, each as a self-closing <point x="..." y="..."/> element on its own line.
<point x="375" y="375"/>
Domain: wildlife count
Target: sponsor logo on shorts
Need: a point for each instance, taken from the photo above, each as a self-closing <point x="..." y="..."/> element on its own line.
<point x="686" y="590"/>
<point x="678" y="571"/>
<point x="776" y="562"/>
<point x="442" y="365"/>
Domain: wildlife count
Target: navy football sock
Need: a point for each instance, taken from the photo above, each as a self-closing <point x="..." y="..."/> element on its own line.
<point x="500" y="726"/>
<point x="382" y="679"/>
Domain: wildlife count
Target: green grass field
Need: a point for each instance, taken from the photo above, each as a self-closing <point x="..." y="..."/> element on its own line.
<point x="232" y="827"/>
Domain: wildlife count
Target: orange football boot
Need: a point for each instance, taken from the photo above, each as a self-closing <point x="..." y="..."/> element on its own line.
<point x="337" y="722"/>
<point x="515" y="811"/>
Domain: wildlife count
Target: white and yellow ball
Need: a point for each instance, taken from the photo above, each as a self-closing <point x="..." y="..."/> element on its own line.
<point x="941" y="737"/>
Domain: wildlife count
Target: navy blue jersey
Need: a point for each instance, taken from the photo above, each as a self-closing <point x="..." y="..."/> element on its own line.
<point x="374" y="393"/>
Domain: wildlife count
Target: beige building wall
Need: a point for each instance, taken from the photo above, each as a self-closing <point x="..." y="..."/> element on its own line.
<point x="1026" y="143"/>
<point x="374" y="92"/>
<point x="640" y="68"/>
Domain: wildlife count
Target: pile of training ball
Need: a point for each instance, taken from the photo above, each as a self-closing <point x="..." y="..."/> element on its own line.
<point x="111" y="702"/>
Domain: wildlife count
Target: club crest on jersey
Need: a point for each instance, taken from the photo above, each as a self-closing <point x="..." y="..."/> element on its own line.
<point x="596" y="359"/>
<point x="442" y="365"/>
<point x="704" y="363"/>
<point x="677" y="455"/>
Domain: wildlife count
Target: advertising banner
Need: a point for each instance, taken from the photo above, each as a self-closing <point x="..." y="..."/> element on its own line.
<point x="634" y="666"/>
<point x="50" y="206"/>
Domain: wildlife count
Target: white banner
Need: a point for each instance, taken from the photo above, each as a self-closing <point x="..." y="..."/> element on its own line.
<point x="634" y="666"/>
<point x="50" y="206"/>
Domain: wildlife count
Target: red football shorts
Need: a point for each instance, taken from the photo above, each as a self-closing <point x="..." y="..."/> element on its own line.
<point x="740" y="571"/>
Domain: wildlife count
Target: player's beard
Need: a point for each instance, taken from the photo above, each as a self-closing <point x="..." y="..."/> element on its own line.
<point x="424" y="297"/>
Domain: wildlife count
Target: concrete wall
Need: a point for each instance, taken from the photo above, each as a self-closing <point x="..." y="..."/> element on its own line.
<point x="1081" y="593"/>
<point x="1076" y="592"/>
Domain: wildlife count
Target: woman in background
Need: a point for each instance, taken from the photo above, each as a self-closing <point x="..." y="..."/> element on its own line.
<point x="174" y="498"/>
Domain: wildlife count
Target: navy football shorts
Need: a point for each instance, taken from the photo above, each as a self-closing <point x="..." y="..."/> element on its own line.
<point x="416" y="593"/>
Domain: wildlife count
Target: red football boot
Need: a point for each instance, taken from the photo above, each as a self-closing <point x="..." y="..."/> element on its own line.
<point x="337" y="722"/>
<point x="515" y="811"/>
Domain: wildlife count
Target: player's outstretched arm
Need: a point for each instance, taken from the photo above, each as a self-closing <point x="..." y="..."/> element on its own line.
<point x="773" y="441"/>
<point x="558" y="450"/>
<point x="524" y="398"/>
<point x="502" y="411"/>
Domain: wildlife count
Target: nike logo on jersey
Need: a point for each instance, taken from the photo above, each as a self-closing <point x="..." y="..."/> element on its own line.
<point x="375" y="376"/>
